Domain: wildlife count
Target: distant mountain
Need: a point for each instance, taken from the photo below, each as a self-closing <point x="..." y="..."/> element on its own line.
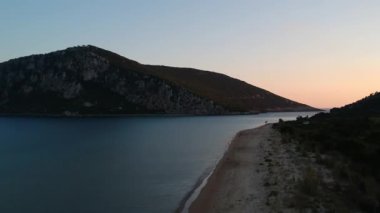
<point x="88" y="80"/>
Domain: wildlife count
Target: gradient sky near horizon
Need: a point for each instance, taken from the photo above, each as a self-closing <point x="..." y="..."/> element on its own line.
<point x="325" y="53"/>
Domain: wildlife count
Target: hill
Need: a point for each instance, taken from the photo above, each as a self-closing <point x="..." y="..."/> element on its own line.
<point x="368" y="106"/>
<point x="88" y="80"/>
<point x="347" y="142"/>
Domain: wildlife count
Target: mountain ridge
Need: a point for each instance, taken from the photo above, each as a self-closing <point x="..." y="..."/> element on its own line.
<point x="87" y="80"/>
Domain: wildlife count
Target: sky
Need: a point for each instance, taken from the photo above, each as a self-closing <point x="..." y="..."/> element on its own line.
<point x="324" y="53"/>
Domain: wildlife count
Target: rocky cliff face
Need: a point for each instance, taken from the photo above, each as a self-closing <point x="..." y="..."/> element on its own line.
<point x="80" y="81"/>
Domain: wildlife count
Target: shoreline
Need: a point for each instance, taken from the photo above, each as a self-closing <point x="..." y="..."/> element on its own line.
<point x="202" y="181"/>
<point x="52" y="115"/>
<point x="192" y="195"/>
<point x="194" y="192"/>
<point x="261" y="172"/>
<point x="226" y="188"/>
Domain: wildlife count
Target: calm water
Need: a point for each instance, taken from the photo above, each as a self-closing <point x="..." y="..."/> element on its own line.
<point x="136" y="164"/>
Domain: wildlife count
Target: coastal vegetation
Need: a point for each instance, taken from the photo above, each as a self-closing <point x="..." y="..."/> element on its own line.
<point x="345" y="141"/>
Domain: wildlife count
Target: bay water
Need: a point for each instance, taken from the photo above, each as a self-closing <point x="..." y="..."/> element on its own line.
<point x="120" y="164"/>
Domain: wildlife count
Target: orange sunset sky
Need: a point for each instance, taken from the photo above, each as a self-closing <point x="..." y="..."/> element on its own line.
<point x="325" y="53"/>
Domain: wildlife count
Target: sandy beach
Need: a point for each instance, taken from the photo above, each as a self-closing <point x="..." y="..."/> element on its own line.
<point x="237" y="183"/>
<point x="258" y="173"/>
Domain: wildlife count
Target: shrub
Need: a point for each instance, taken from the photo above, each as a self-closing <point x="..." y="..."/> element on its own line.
<point x="309" y="184"/>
